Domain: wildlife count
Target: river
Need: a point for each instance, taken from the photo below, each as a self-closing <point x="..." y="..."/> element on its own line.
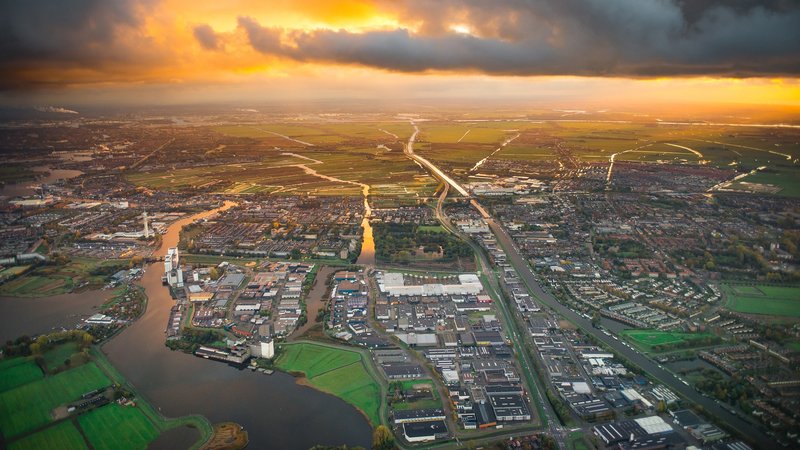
<point x="276" y="412"/>
<point x="29" y="187"/>
<point x="315" y="300"/>
<point x="367" y="255"/>
<point x="32" y="316"/>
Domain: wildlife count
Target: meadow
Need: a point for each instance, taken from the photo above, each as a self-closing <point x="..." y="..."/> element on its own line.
<point x="365" y="154"/>
<point x="655" y="341"/>
<point x="337" y="371"/>
<point x="61" y="436"/>
<point x="17" y="372"/>
<point x="45" y="281"/>
<point x="115" y="427"/>
<point x="30" y="405"/>
<point x="763" y="300"/>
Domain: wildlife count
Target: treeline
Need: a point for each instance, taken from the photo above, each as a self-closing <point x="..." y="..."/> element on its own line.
<point x="399" y="242"/>
<point x="192" y="339"/>
<point x="623" y="248"/>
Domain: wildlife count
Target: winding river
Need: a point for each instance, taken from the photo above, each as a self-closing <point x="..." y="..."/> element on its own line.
<point x="276" y="412"/>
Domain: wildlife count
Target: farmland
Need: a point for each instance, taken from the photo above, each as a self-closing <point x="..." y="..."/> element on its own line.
<point x="656" y="341"/>
<point x="362" y="154"/>
<point x="764" y="300"/>
<point x="33" y="403"/>
<point x="118" y="427"/>
<point x="594" y="142"/>
<point x="17" y="372"/>
<point x="339" y="372"/>
<point x="29" y="406"/>
<point x="45" y="281"/>
<point x="62" y="436"/>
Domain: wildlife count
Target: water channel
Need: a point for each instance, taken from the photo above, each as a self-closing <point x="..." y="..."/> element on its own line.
<point x="29" y="187"/>
<point x="276" y="412"/>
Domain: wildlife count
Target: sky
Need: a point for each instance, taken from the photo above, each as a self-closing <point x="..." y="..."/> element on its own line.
<point x="191" y="51"/>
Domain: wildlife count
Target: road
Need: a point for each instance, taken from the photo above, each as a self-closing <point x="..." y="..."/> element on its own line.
<point x="518" y="338"/>
<point x="713" y="409"/>
<point x="409" y="151"/>
<point x="669" y="379"/>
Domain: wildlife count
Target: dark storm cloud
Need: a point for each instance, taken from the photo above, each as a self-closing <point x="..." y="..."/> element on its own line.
<point x="565" y="37"/>
<point x="206" y="36"/>
<point x="59" y="34"/>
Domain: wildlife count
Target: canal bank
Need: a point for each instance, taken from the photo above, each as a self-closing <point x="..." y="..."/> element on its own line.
<point x="276" y="412"/>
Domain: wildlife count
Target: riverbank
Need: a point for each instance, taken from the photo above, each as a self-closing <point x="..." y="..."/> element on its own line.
<point x="335" y="370"/>
<point x="162" y="423"/>
<point x="68" y="392"/>
<point x="275" y="411"/>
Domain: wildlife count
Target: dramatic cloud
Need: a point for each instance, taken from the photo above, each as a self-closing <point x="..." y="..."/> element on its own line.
<point x="57" y="43"/>
<point x="207" y="38"/>
<point x="568" y="37"/>
<point x="61" y="35"/>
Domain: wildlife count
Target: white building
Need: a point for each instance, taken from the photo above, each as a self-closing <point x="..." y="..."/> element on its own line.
<point x="393" y="283"/>
<point x="172" y="268"/>
<point x="263" y="349"/>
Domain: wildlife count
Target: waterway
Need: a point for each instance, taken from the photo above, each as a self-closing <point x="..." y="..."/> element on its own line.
<point x="367" y="255"/>
<point x="29" y="187"/>
<point x="32" y="316"/>
<point x="315" y="300"/>
<point x="276" y="412"/>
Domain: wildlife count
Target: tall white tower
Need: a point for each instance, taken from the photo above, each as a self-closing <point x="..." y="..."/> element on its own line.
<point x="146" y="226"/>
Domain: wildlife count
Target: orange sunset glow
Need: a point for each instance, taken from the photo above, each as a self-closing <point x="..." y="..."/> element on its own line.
<point x="181" y="50"/>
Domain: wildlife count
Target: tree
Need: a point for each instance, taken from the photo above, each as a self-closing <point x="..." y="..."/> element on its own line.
<point x="87" y="339"/>
<point x="382" y="438"/>
<point x="213" y="273"/>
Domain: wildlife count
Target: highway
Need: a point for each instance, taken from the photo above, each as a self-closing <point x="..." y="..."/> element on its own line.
<point x="748" y="430"/>
<point x="518" y="336"/>
<point x="679" y="386"/>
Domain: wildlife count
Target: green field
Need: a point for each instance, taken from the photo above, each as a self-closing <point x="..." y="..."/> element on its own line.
<point x="62" y="436"/>
<point x="423" y="403"/>
<point x="46" y="281"/>
<point x="29" y="406"/>
<point x="785" y="181"/>
<point x="55" y="357"/>
<point x="18" y="371"/>
<point x="115" y="427"/>
<point x="655" y="340"/>
<point x="763" y="299"/>
<point x="336" y="371"/>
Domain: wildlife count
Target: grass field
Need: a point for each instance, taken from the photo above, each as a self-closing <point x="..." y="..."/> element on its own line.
<point x="46" y="281"/>
<point x="576" y="441"/>
<point x="116" y="427"/>
<point x="16" y="372"/>
<point x="55" y="357"/>
<point x="29" y="406"/>
<point x="336" y="371"/>
<point x="763" y="299"/>
<point x="786" y="181"/>
<point x="649" y="339"/>
<point x="425" y="403"/>
<point x="62" y="436"/>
